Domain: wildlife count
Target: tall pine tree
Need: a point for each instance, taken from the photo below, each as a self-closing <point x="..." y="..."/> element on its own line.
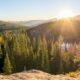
<point x="7" y="65"/>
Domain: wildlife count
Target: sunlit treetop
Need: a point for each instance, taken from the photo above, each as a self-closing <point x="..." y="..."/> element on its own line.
<point x="1" y="39"/>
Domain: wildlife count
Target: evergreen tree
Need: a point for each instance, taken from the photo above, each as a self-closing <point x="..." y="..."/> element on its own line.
<point x="7" y="65"/>
<point x="70" y="62"/>
<point x="42" y="55"/>
<point x="45" y="56"/>
<point x="61" y="67"/>
<point x="9" y="48"/>
<point x="38" y="56"/>
<point x="55" y="59"/>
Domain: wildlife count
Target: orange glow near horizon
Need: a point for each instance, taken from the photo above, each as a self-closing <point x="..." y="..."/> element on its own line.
<point x="68" y="27"/>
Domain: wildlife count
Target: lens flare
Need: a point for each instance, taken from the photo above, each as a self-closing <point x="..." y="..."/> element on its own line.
<point x="65" y="13"/>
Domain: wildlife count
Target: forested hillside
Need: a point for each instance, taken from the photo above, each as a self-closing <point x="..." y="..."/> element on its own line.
<point x="20" y="53"/>
<point x="68" y="28"/>
<point x="41" y="48"/>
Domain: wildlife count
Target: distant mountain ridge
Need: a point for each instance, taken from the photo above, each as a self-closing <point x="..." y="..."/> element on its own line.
<point x="32" y="23"/>
<point x="68" y="28"/>
<point x="4" y="25"/>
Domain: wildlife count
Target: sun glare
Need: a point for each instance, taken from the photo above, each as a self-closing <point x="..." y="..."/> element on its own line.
<point x="65" y="13"/>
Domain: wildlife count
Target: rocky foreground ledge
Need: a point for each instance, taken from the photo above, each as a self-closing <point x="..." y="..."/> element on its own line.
<point x="35" y="75"/>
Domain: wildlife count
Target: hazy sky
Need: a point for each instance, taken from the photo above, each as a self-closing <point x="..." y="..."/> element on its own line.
<point x="35" y="9"/>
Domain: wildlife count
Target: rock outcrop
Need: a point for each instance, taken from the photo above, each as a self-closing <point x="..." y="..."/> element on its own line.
<point x="35" y="75"/>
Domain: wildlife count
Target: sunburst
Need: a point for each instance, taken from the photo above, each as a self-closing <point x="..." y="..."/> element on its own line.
<point x="64" y="13"/>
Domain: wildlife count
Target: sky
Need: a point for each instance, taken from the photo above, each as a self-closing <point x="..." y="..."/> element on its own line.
<point x="17" y="10"/>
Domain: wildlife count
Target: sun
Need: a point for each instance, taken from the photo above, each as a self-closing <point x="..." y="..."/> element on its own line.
<point x="64" y="13"/>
